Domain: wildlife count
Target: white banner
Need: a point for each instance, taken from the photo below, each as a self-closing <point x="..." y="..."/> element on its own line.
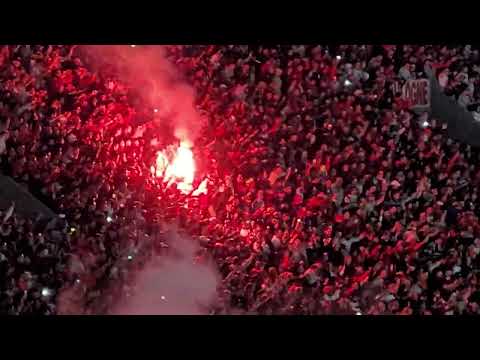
<point x="417" y="93"/>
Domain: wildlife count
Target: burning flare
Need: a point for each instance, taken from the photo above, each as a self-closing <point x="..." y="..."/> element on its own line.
<point x="176" y="166"/>
<point x="201" y="189"/>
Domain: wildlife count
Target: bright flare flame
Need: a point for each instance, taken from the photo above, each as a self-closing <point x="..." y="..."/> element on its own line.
<point x="201" y="189"/>
<point x="177" y="167"/>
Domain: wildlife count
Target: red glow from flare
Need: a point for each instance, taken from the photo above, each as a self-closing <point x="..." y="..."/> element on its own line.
<point x="176" y="166"/>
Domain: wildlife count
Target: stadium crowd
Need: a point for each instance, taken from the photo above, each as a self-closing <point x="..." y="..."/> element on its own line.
<point x="327" y="194"/>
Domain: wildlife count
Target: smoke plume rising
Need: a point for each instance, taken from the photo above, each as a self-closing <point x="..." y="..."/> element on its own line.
<point x="159" y="84"/>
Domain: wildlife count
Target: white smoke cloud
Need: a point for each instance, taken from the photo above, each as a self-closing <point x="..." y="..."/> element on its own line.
<point x="173" y="284"/>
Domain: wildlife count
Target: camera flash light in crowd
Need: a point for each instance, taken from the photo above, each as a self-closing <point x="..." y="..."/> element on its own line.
<point x="109" y="219"/>
<point x="358" y="313"/>
<point x="155" y="110"/>
<point x="46" y="292"/>
<point x="133" y="46"/>
<point x="348" y="82"/>
<point x="338" y="57"/>
<point x="129" y="257"/>
<point x="425" y="124"/>
<point x="162" y="297"/>
<point x="72" y="229"/>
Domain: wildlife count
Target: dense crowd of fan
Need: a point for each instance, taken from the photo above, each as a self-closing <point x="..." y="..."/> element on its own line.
<point x="328" y="195"/>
